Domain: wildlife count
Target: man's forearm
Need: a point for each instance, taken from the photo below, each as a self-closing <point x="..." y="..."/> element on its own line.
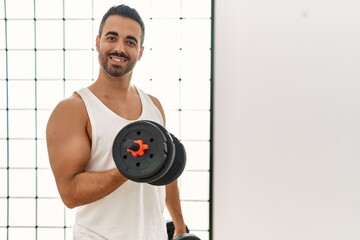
<point x="87" y="187"/>
<point x="174" y="207"/>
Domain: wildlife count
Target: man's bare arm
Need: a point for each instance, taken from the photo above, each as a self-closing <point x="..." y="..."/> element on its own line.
<point x="174" y="207"/>
<point x="69" y="149"/>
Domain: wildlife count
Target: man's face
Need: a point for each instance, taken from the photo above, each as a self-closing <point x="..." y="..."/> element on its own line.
<point x="119" y="45"/>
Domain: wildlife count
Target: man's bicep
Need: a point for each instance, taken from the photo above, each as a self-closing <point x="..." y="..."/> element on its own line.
<point x="68" y="143"/>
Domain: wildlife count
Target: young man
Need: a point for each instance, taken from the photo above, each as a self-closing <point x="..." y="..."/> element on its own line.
<point x="80" y="134"/>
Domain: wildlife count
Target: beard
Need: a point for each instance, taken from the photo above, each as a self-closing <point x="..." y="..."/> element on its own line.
<point x="116" y="70"/>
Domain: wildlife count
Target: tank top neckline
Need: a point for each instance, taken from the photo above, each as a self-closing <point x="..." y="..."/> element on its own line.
<point x="112" y="112"/>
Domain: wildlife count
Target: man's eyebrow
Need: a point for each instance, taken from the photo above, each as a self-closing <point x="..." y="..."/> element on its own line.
<point x="132" y="38"/>
<point x="112" y="33"/>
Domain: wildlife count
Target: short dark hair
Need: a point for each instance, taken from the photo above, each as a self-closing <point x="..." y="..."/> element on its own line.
<point x="124" y="11"/>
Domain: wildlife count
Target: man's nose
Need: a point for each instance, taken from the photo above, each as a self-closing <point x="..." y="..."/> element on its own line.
<point x="120" y="47"/>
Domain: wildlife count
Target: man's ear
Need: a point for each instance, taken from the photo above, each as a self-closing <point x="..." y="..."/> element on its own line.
<point x="97" y="44"/>
<point x="141" y="53"/>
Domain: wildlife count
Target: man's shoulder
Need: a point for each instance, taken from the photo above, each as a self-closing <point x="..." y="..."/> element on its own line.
<point x="154" y="99"/>
<point x="71" y="106"/>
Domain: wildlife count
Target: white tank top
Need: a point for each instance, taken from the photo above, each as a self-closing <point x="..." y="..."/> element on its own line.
<point x="134" y="211"/>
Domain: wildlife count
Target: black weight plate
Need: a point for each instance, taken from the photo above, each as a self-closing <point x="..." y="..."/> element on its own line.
<point x="170" y="154"/>
<point x="177" y="167"/>
<point x="139" y="169"/>
<point x="187" y="236"/>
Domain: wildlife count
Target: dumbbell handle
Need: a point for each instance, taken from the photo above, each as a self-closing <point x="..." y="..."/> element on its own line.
<point x="132" y="145"/>
<point x="136" y="147"/>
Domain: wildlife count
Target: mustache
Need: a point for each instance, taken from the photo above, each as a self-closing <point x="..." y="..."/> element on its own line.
<point x="122" y="55"/>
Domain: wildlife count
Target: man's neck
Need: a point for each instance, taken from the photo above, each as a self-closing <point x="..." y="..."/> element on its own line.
<point x="107" y="84"/>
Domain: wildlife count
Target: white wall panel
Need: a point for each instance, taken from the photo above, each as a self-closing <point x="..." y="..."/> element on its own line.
<point x="286" y="122"/>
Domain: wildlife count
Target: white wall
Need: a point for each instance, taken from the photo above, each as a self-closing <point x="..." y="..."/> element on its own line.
<point x="287" y="120"/>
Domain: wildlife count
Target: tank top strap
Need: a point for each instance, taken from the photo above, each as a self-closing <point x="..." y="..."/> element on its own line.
<point x="150" y="110"/>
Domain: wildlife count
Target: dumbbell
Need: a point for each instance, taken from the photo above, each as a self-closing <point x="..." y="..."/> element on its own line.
<point x="144" y="151"/>
<point x="186" y="236"/>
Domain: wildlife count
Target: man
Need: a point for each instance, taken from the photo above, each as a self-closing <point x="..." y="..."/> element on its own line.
<point x="80" y="134"/>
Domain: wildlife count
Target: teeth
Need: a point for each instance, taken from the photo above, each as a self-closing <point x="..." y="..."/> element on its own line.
<point x="118" y="59"/>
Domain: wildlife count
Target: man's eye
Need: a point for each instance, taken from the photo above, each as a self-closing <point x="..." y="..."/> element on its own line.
<point x="131" y="43"/>
<point x="111" y="38"/>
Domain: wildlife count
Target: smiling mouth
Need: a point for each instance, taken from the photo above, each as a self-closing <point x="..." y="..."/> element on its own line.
<point x="118" y="59"/>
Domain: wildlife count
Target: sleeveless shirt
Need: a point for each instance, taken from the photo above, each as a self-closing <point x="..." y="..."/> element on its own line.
<point x="134" y="211"/>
